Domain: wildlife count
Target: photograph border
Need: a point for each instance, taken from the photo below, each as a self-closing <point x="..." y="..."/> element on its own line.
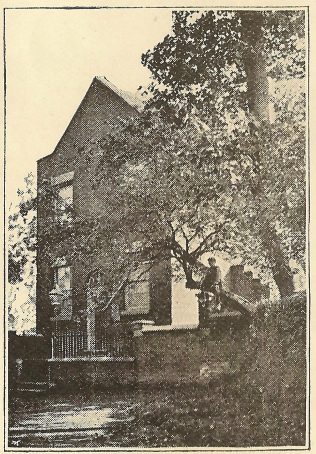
<point x="308" y="232"/>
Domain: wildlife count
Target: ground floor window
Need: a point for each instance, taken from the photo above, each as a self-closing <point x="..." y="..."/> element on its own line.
<point x="137" y="292"/>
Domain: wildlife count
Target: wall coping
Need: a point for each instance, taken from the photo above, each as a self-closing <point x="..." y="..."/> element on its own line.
<point x="92" y="359"/>
<point x="195" y="326"/>
<point x="38" y="335"/>
<point x="155" y="328"/>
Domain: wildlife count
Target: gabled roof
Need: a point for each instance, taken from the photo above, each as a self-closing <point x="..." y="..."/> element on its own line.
<point x="130" y="103"/>
<point x="130" y="98"/>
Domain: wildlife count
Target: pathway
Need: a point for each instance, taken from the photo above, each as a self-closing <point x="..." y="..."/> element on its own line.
<point x="73" y="421"/>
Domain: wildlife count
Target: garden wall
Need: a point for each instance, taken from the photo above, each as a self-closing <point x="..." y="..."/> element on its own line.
<point x="163" y="354"/>
<point x="26" y="354"/>
<point x="177" y="355"/>
<point x="96" y="372"/>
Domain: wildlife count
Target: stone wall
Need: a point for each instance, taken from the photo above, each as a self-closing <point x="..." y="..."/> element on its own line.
<point x="177" y="355"/>
<point x="80" y="374"/>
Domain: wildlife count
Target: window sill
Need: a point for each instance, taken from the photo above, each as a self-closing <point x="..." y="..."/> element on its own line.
<point x="135" y="312"/>
<point x="65" y="292"/>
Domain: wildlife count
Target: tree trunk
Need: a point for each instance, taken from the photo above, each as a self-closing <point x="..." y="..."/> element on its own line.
<point x="281" y="270"/>
<point x="252" y="23"/>
<point x="284" y="280"/>
<point x="255" y="65"/>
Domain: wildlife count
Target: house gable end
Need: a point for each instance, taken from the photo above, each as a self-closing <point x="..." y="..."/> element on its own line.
<point x="100" y="110"/>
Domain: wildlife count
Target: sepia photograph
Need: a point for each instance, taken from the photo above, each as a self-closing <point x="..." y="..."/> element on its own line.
<point x="156" y="235"/>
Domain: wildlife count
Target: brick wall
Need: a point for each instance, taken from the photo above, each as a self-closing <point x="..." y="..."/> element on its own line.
<point x="26" y="354"/>
<point x="27" y="347"/>
<point x="95" y="117"/>
<point x="83" y="375"/>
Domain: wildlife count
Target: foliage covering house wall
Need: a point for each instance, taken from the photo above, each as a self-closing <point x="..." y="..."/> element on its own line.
<point x="101" y="110"/>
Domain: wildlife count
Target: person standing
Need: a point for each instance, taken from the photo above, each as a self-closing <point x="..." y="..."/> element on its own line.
<point x="212" y="279"/>
<point x="210" y="291"/>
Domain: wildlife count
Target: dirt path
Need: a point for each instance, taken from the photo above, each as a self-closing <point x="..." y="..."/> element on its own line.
<point x="71" y="421"/>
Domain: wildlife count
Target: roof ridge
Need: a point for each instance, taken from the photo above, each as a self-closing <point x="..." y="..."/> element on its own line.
<point x="128" y="97"/>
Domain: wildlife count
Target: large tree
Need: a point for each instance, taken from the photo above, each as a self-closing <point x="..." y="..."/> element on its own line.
<point x="182" y="190"/>
<point x="215" y="68"/>
<point x="205" y="168"/>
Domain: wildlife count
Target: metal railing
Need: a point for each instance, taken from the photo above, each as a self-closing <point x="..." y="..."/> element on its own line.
<point x="73" y="344"/>
<point x="70" y="344"/>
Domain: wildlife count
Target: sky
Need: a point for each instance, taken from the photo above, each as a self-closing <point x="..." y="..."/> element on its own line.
<point x="51" y="59"/>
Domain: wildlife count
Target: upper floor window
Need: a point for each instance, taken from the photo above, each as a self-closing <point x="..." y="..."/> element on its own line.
<point x="64" y="203"/>
<point x="63" y="197"/>
<point x="63" y="277"/>
<point x="62" y="274"/>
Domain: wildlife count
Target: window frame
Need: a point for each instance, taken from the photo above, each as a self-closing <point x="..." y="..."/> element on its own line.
<point x="144" y="277"/>
<point x="59" y="264"/>
<point x="59" y="183"/>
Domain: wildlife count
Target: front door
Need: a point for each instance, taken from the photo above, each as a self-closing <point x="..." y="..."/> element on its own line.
<point x="96" y="295"/>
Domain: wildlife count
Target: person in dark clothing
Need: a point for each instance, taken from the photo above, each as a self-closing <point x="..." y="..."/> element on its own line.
<point x="210" y="291"/>
<point x="212" y="279"/>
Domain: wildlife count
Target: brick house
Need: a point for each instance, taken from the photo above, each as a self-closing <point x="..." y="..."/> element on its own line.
<point x="73" y="291"/>
<point x="75" y="281"/>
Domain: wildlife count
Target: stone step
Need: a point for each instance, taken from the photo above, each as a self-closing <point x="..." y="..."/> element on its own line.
<point x="33" y="386"/>
<point x="88" y="353"/>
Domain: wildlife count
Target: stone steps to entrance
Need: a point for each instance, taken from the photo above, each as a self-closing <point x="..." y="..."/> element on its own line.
<point x="34" y="387"/>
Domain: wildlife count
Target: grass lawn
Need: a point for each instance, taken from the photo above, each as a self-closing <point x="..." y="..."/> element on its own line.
<point x="220" y="414"/>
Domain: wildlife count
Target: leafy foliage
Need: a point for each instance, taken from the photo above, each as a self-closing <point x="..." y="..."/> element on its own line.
<point x="196" y="172"/>
<point x="22" y="231"/>
<point x="22" y="243"/>
<point x="201" y="65"/>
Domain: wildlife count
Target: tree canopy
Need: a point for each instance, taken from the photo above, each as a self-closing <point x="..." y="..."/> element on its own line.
<point x="204" y="164"/>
